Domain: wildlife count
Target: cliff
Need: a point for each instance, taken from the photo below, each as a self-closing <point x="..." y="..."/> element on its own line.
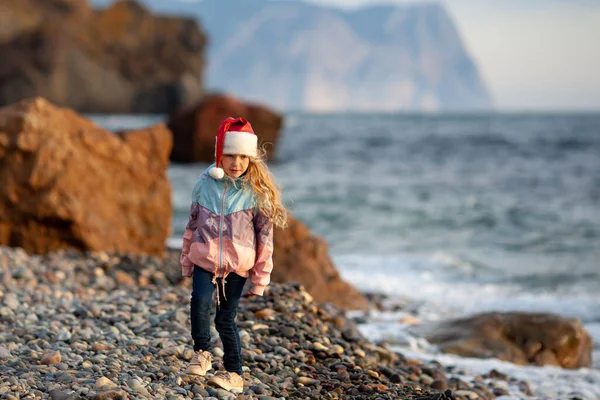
<point x="296" y="55"/>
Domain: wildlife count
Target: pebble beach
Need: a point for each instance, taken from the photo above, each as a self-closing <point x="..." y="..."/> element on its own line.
<point x="107" y="326"/>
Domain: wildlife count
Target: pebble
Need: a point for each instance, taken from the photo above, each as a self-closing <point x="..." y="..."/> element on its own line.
<point x="51" y="357"/>
<point x="373" y="374"/>
<point x="318" y="346"/>
<point x="304" y="380"/>
<point x="337" y="349"/>
<point x="4" y="353"/>
<point x="11" y="301"/>
<point x="110" y="394"/>
<point x="439" y="385"/>
<point x="135" y="383"/>
<point x="64" y="336"/>
<point x="57" y="394"/>
<point x="223" y="394"/>
<point x="466" y="394"/>
<point x="501" y="392"/>
<point x="104" y="383"/>
<point x="288" y="331"/>
<point x="266" y="313"/>
<point x="218" y="352"/>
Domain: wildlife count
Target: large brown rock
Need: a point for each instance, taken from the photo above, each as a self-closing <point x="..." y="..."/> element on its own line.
<point x="119" y="60"/>
<point x="301" y="257"/>
<point x="194" y="128"/>
<point x="66" y="183"/>
<point x="521" y="338"/>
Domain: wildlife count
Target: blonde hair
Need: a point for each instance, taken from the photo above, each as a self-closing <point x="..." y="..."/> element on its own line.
<point x="269" y="200"/>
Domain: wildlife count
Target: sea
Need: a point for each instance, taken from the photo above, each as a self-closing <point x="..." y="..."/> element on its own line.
<point x="448" y="215"/>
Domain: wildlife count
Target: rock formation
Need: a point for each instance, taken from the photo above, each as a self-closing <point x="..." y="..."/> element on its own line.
<point x="194" y="129"/>
<point x="66" y="183"/>
<point x="521" y="338"/>
<point x="119" y="60"/>
<point x="301" y="257"/>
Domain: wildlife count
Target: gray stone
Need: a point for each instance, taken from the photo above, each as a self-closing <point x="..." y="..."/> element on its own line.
<point x="288" y="331"/>
<point x="116" y="394"/>
<point x="22" y="272"/>
<point x="65" y="378"/>
<point x="11" y="301"/>
<point x="5" y="353"/>
<point x="57" y="394"/>
<point x="180" y="391"/>
<point x="218" y="352"/>
<point x="467" y="394"/>
<point x="138" y="387"/>
<point x="223" y="394"/>
<point x="197" y="389"/>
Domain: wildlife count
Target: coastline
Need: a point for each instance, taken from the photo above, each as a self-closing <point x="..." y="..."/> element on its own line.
<point x="102" y="325"/>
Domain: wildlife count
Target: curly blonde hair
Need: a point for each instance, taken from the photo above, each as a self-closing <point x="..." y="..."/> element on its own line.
<point x="269" y="199"/>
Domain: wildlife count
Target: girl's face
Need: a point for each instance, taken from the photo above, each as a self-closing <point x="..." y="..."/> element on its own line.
<point x="235" y="165"/>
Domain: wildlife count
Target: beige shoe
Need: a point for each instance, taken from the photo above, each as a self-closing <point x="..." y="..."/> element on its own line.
<point x="228" y="381"/>
<point x="201" y="362"/>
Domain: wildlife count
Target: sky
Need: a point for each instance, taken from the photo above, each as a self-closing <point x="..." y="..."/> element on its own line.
<point x="532" y="54"/>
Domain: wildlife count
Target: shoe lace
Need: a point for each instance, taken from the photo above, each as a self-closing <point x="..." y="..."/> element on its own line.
<point x="200" y="356"/>
<point x="230" y="376"/>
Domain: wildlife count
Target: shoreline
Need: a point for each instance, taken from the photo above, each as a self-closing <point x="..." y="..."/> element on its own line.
<point x="121" y="328"/>
<point x="134" y="301"/>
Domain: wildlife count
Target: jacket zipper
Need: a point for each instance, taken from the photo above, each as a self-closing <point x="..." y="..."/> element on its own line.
<point x="221" y="230"/>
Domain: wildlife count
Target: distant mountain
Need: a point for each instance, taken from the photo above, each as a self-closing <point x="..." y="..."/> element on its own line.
<point x="296" y="55"/>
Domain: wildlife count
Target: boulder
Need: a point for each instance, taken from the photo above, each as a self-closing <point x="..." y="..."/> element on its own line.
<point x="119" y="60"/>
<point x="521" y="338"/>
<point x="66" y="183"/>
<point x="194" y="128"/>
<point x="301" y="257"/>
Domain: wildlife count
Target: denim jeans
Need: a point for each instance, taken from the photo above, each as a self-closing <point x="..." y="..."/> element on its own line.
<point x="201" y="302"/>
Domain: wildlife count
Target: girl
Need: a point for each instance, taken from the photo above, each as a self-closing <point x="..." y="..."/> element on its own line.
<point x="235" y="206"/>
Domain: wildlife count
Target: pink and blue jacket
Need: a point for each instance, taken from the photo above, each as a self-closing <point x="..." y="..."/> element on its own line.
<point x="226" y="233"/>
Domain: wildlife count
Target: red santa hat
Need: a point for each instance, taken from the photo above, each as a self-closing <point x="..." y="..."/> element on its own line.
<point x="235" y="136"/>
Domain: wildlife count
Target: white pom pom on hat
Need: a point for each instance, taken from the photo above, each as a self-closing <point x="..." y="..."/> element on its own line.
<point x="216" y="173"/>
<point x="235" y="136"/>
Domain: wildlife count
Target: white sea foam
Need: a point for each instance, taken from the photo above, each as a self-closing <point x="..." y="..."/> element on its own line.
<point x="451" y="288"/>
<point x="175" y="243"/>
<point x="125" y="122"/>
<point x="441" y="287"/>
<point x="546" y="382"/>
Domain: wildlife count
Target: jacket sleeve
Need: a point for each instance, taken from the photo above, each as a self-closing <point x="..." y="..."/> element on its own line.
<point x="187" y="266"/>
<point x="261" y="273"/>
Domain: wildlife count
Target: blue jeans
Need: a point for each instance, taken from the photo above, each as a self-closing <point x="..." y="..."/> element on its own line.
<point x="201" y="303"/>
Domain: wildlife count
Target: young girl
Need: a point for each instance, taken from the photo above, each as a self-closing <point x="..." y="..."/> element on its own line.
<point x="235" y="206"/>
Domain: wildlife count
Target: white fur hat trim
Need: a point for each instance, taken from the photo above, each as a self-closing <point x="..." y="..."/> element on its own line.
<point x="240" y="143"/>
